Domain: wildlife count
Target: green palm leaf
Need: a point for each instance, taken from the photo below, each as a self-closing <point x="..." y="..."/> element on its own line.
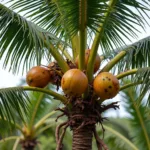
<point x="118" y="23"/>
<point x="140" y="80"/>
<point x="41" y="105"/>
<point x="52" y="16"/>
<point x="20" y="41"/>
<point x="137" y="55"/>
<point x="13" y="100"/>
<point x="118" y="141"/>
<point x="24" y="45"/>
<point x="5" y="127"/>
<point x="123" y="19"/>
<point x="121" y="125"/>
<point x="115" y="137"/>
<point x="138" y="120"/>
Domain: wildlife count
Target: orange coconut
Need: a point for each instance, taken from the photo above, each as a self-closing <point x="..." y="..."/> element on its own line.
<point x="106" y="85"/>
<point x="74" y="82"/>
<point x="38" y="77"/>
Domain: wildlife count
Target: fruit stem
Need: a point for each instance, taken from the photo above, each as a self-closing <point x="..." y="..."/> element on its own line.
<point x="126" y="73"/>
<point x="82" y="33"/>
<point x="61" y="62"/>
<point x="130" y="84"/>
<point x="58" y="72"/>
<point x="65" y="52"/>
<point x="55" y="53"/>
<point x="46" y="91"/>
<point x="97" y="39"/>
<point x="113" y="61"/>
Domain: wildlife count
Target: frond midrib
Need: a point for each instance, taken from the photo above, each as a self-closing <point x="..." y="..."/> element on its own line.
<point x="96" y="41"/>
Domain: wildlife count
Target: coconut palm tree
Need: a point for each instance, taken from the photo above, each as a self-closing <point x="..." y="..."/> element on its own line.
<point x="31" y="31"/>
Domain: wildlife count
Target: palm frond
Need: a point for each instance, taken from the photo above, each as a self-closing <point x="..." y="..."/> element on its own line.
<point x="41" y="105"/>
<point x="9" y="138"/>
<point x="5" y="127"/>
<point x="141" y="82"/>
<point x="124" y="20"/>
<point x="144" y="75"/>
<point x="8" y="143"/>
<point x="63" y="18"/>
<point x="18" y="39"/>
<point x="116" y="140"/>
<point x="137" y="55"/>
<point x="118" y="23"/>
<point x="121" y="125"/>
<point x="139" y="118"/>
<point x="62" y="15"/>
<point x="13" y="101"/>
<point x="22" y="42"/>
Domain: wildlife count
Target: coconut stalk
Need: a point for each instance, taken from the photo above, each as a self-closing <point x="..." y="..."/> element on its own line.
<point x="97" y="39"/>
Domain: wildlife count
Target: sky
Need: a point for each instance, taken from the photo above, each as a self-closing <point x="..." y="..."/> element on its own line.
<point x="7" y="79"/>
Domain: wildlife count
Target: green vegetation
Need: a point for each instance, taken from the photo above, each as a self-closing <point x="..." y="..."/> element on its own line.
<point x="58" y="32"/>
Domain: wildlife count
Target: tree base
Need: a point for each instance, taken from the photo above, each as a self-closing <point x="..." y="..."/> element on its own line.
<point x="82" y="119"/>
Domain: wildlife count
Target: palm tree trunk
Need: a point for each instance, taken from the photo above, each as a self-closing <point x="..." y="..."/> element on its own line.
<point x="83" y="122"/>
<point x="82" y="138"/>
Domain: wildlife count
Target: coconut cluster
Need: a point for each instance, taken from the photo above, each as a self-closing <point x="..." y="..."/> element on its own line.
<point x="74" y="82"/>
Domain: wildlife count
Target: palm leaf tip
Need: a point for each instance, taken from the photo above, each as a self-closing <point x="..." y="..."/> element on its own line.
<point x="13" y="100"/>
